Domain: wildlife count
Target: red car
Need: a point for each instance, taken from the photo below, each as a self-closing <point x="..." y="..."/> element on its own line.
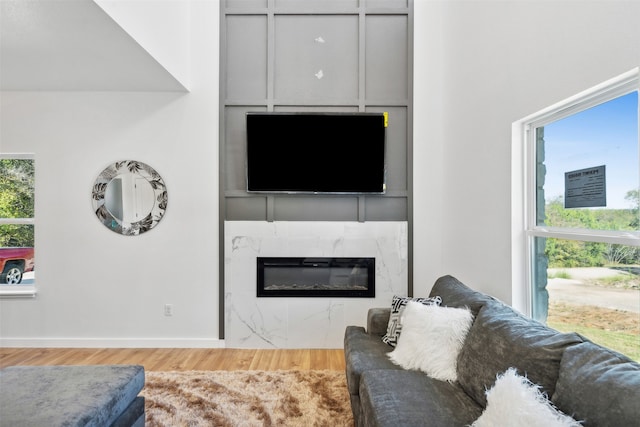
<point x="14" y="262"/>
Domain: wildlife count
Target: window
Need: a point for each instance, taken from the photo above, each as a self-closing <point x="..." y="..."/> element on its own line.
<point x="17" y="243"/>
<point x="580" y="250"/>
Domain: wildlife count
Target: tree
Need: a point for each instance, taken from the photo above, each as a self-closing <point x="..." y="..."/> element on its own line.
<point x="621" y="254"/>
<point x="17" y="183"/>
<point x="575" y="253"/>
<point x="633" y="196"/>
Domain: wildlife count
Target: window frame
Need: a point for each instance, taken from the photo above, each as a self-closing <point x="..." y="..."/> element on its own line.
<point x="12" y="291"/>
<point x="524" y="197"/>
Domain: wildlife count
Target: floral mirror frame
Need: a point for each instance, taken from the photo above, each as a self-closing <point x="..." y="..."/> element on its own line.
<point x="138" y="170"/>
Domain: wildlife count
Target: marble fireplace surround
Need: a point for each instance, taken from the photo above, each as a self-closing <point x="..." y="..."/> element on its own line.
<point x="303" y="322"/>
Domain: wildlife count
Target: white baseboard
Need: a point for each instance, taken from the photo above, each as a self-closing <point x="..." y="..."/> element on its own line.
<point x="112" y="342"/>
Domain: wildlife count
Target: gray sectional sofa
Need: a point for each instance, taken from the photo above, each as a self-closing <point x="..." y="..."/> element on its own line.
<point x="592" y="384"/>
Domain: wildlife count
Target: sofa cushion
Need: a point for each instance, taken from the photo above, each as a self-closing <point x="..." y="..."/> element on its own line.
<point x="598" y="386"/>
<point x="398" y="304"/>
<point x="431" y="339"/>
<point x="501" y="338"/>
<point x="516" y="402"/>
<point x="363" y="352"/>
<point x="406" y="398"/>
<point x="456" y="294"/>
<point x="377" y="320"/>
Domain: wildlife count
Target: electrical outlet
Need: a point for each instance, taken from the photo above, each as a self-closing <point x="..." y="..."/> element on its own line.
<point x="168" y="310"/>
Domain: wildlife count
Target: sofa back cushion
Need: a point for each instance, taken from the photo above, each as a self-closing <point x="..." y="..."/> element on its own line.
<point x="499" y="339"/>
<point x="456" y="294"/>
<point x="378" y="320"/>
<point x="598" y="386"/>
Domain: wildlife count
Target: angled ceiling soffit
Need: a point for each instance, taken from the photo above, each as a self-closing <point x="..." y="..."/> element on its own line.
<point x="74" y="45"/>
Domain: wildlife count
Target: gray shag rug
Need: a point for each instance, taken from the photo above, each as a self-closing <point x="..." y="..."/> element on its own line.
<point x="247" y="398"/>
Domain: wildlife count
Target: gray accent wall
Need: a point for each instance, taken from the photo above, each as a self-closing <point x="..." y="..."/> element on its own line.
<point x="320" y="56"/>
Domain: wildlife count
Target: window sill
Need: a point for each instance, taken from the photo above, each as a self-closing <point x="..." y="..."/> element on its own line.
<point x="18" y="292"/>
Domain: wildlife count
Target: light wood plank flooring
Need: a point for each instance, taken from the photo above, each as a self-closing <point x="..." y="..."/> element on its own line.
<point x="179" y="359"/>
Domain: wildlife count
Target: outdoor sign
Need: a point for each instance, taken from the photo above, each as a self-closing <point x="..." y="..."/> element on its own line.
<point x="585" y="188"/>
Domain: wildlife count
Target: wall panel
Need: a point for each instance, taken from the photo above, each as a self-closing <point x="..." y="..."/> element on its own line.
<point x="246" y="69"/>
<point x="328" y="56"/>
<point x="316" y="58"/>
<point x="387" y="58"/>
<point x="294" y="207"/>
<point x="396" y="156"/>
<point x="235" y="176"/>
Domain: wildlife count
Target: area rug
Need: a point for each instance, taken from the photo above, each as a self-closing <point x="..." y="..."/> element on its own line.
<point x="246" y="398"/>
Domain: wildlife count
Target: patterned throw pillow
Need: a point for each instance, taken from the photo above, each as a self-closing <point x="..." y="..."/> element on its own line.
<point x="398" y="304"/>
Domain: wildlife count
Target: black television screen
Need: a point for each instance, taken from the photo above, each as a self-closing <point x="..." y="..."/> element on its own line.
<point x="316" y="152"/>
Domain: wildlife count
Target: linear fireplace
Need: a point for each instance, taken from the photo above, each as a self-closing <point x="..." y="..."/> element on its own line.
<point x="316" y="277"/>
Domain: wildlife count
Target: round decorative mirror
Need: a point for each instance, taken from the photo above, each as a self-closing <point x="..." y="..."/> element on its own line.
<point x="129" y="197"/>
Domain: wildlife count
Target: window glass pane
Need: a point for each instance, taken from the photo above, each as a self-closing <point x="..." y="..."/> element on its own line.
<point x="587" y="168"/>
<point x="594" y="289"/>
<point x="17" y="178"/>
<point x="16" y="235"/>
<point x="17" y="258"/>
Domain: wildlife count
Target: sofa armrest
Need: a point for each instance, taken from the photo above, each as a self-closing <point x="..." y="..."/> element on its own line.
<point x="377" y="320"/>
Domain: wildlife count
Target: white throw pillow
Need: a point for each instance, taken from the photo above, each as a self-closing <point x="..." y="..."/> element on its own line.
<point x="516" y="402"/>
<point x="394" y="327"/>
<point x="431" y="339"/>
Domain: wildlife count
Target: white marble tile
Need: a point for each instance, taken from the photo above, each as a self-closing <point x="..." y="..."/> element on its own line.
<point x="318" y="322"/>
<point x="252" y="322"/>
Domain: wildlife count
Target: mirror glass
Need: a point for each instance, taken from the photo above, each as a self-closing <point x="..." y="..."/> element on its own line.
<point x="129" y="197"/>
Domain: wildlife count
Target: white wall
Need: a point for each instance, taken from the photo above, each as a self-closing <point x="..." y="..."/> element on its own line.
<point x="428" y="143"/>
<point x="96" y="287"/>
<point x="496" y="61"/>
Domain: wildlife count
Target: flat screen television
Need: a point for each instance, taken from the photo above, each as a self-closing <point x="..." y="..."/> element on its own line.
<point x="335" y="153"/>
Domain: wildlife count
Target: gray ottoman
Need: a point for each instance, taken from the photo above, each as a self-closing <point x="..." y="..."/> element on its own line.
<point x="104" y="395"/>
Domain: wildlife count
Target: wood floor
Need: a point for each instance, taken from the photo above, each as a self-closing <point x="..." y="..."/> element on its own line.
<point x="179" y="359"/>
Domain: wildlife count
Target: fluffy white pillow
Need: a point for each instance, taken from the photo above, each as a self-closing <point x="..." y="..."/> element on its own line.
<point x="431" y="339"/>
<point x="516" y="402"/>
<point x="398" y="303"/>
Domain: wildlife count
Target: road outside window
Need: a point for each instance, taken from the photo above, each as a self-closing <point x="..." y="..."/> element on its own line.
<point x="599" y="302"/>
